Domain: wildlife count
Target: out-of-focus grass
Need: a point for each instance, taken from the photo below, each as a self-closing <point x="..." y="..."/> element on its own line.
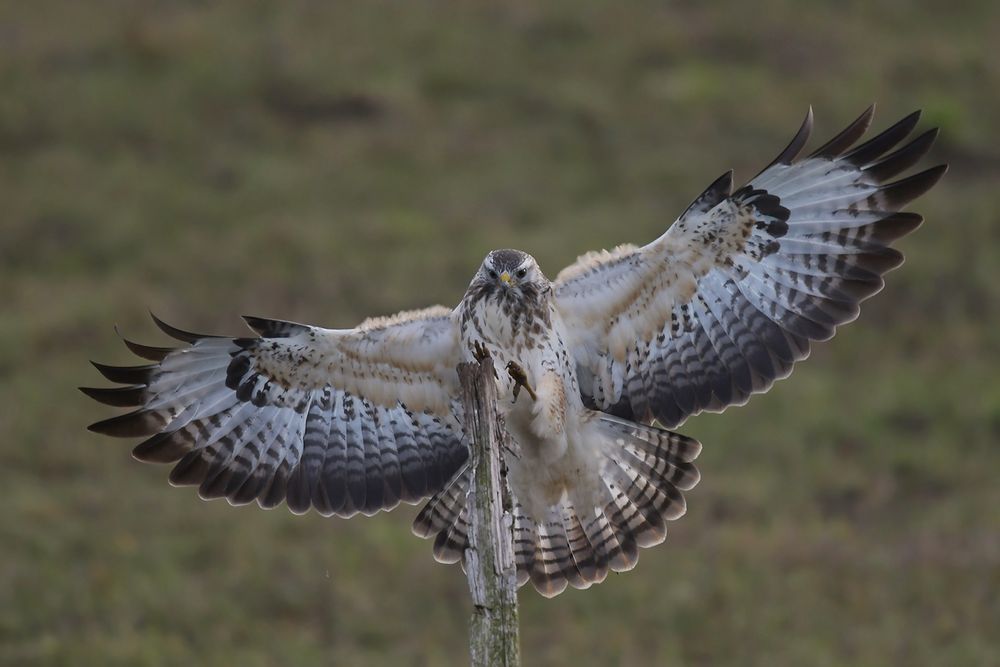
<point x="323" y="162"/>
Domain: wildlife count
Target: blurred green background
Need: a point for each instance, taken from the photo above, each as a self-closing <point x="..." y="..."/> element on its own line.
<point x="323" y="162"/>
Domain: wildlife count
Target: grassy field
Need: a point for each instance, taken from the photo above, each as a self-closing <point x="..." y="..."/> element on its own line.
<point x="322" y="162"/>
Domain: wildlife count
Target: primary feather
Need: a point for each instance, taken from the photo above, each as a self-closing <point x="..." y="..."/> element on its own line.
<point x="734" y="293"/>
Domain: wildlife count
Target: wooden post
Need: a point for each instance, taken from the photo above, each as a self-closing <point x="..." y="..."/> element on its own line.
<point x="489" y="559"/>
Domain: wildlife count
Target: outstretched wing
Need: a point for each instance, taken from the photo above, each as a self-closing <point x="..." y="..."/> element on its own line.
<point x="341" y="420"/>
<point x="731" y="296"/>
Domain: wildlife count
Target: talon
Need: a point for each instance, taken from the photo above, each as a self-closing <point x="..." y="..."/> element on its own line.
<point x="520" y="379"/>
<point x="481" y="353"/>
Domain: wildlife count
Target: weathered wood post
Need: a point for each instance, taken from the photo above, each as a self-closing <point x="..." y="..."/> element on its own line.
<point x="489" y="560"/>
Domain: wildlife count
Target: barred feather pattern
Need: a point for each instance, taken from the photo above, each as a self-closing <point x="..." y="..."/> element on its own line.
<point x="734" y="293"/>
<point x="644" y="471"/>
<point x="718" y="308"/>
<point x="254" y="419"/>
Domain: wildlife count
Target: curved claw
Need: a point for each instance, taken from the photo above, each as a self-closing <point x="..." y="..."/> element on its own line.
<point x="480" y="352"/>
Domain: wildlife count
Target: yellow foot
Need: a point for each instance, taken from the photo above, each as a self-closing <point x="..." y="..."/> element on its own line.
<point x="520" y="379"/>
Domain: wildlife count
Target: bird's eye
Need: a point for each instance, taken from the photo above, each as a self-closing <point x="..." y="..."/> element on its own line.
<point x="493" y="274"/>
<point x="522" y="273"/>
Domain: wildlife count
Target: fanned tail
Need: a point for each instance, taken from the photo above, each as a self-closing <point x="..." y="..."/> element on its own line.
<point x="643" y="472"/>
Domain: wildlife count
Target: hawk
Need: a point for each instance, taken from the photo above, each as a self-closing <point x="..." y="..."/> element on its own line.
<point x="620" y="348"/>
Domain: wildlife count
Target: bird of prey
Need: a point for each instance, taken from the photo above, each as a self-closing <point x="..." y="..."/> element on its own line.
<point x="594" y="367"/>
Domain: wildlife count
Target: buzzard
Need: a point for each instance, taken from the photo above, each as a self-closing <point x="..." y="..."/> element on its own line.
<point x="596" y="366"/>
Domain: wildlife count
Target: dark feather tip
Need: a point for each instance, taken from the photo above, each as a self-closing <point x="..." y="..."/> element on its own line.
<point x="119" y="397"/>
<point x="149" y="352"/>
<point x="907" y="156"/>
<point x="878" y="145"/>
<point x="126" y="374"/>
<point x="138" y="423"/>
<point x="144" y="351"/>
<point x="797" y="143"/>
<point x="162" y="448"/>
<point x="847" y="137"/>
<point x="179" y="334"/>
<point x="907" y="189"/>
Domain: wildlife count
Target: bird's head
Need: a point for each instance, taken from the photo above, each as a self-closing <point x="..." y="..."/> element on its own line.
<point x="511" y="274"/>
<point x="510" y="269"/>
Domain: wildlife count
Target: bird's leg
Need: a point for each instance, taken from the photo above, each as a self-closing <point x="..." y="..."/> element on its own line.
<point x="520" y="379"/>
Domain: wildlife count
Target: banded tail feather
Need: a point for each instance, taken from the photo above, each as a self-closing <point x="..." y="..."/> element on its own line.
<point x="643" y="471"/>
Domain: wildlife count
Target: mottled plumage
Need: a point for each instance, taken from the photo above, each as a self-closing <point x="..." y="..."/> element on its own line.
<point x="619" y="347"/>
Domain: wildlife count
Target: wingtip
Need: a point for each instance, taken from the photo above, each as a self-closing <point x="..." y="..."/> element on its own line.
<point x="125" y="374"/>
<point x="174" y="332"/>
<point x="104" y="427"/>
<point x="119" y="397"/>
<point x="936" y="174"/>
<point x="795" y="146"/>
<point x="148" y="352"/>
<point x="133" y="424"/>
<point x="911" y="119"/>
<point x="254" y="323"/>
<point x="867" y="116"/>
<point x="848" y="136"/>
<point x="901" y="192"/>
<point x="875" y="151"/>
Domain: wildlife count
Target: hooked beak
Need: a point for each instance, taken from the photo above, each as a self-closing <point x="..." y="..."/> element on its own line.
<point x="506" y="279"/>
